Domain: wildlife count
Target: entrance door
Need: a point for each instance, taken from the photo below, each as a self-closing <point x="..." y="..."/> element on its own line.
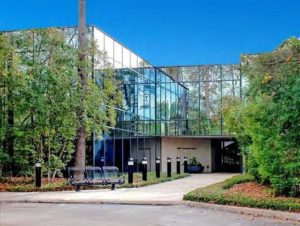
<point x="227" y="156"/>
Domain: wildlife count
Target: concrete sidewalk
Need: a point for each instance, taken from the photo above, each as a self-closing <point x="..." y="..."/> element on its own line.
<point x="168" y="193"/>
<point x="165" y="193"/>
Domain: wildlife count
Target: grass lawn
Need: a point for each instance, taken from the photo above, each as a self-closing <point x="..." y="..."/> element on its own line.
<point x="241" y="190"/>
<point x="138" y="182"/>
<point x="60" y="184"/>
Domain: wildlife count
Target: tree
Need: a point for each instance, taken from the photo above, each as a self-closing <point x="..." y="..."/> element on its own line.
<point x="9" y="81"/>
<point x="45" y="116"/>
<point x="43" y="78"/>
<point x="267" y="123"/>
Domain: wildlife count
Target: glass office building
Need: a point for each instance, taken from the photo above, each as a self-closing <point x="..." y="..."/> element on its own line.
<point x="166" y="111"/>
<point x="178" y="105"/>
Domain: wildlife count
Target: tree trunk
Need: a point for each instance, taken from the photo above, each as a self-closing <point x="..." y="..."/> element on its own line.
<point x="207" y="101"/>
<point x="61" y="152"/>
<point x="49" y="155"/>
<point x="10" y="117"/>
<point x="53" y="175"/>
<point x="81" y="112"/>
<point x="207" y="95"/>
<point x="10" y="135"/>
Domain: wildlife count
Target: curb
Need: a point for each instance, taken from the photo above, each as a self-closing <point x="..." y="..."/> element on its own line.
<point x="266" y="213"/>
<point x="255" y="212"/>
<point x="100" y="202"/>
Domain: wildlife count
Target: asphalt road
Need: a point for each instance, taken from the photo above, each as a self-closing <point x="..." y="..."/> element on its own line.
<point x="126" y="215"/>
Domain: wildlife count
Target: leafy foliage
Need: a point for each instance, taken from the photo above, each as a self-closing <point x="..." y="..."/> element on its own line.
<point x="194" y="162"/>
<point x="40" y="85"/>
<point x="267" y="122"/>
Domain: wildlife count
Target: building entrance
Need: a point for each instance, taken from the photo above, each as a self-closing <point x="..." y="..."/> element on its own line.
<point x="226" y="156"/>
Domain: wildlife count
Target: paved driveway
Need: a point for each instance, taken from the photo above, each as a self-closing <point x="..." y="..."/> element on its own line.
<point x="164" y="193"/>
<point x="34" y="214"/>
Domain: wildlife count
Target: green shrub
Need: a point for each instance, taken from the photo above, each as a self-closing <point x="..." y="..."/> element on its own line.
<point x="194" y="162"/>
<point x="22" y="188"/>
<point x="245" y="201"/>
<point x="267" y="121"/>
<point x="217" y="193"/>
<point x="229" y="183"/>
<point x="54" y="186"/>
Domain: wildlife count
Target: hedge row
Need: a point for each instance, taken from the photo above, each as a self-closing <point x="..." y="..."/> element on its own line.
<point x="217" y="194"/>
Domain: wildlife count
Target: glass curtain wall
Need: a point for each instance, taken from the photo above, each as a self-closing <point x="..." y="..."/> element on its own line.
<point x="154" y="104"/>
<point x="207" y="86"/>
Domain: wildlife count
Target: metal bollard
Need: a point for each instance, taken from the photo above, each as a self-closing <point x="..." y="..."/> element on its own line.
<point x="157" y="167"/>
<point x="38" y="174"/>
<point x="144" y="163"/>
<point x="102" y="162"/>
<point x="185" y="164"/>
<point x="178" y="164"/>
<point x="113" y="186"/>
<point x="130" y="170"/>
<point x="169" y="167"/>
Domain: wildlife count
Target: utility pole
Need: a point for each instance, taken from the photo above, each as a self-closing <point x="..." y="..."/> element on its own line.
<point x="80" y="148"/>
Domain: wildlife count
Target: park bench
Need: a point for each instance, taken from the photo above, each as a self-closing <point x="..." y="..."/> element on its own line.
<point x="94" y="176"/>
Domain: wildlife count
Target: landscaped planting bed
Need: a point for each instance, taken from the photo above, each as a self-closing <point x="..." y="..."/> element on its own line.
<point x="22" y="184"/>
<point x="244" y="191"/>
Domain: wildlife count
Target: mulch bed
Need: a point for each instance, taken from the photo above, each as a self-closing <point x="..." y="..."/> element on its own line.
<point x="9" y="182"/>
<point x="256" y="191"/>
